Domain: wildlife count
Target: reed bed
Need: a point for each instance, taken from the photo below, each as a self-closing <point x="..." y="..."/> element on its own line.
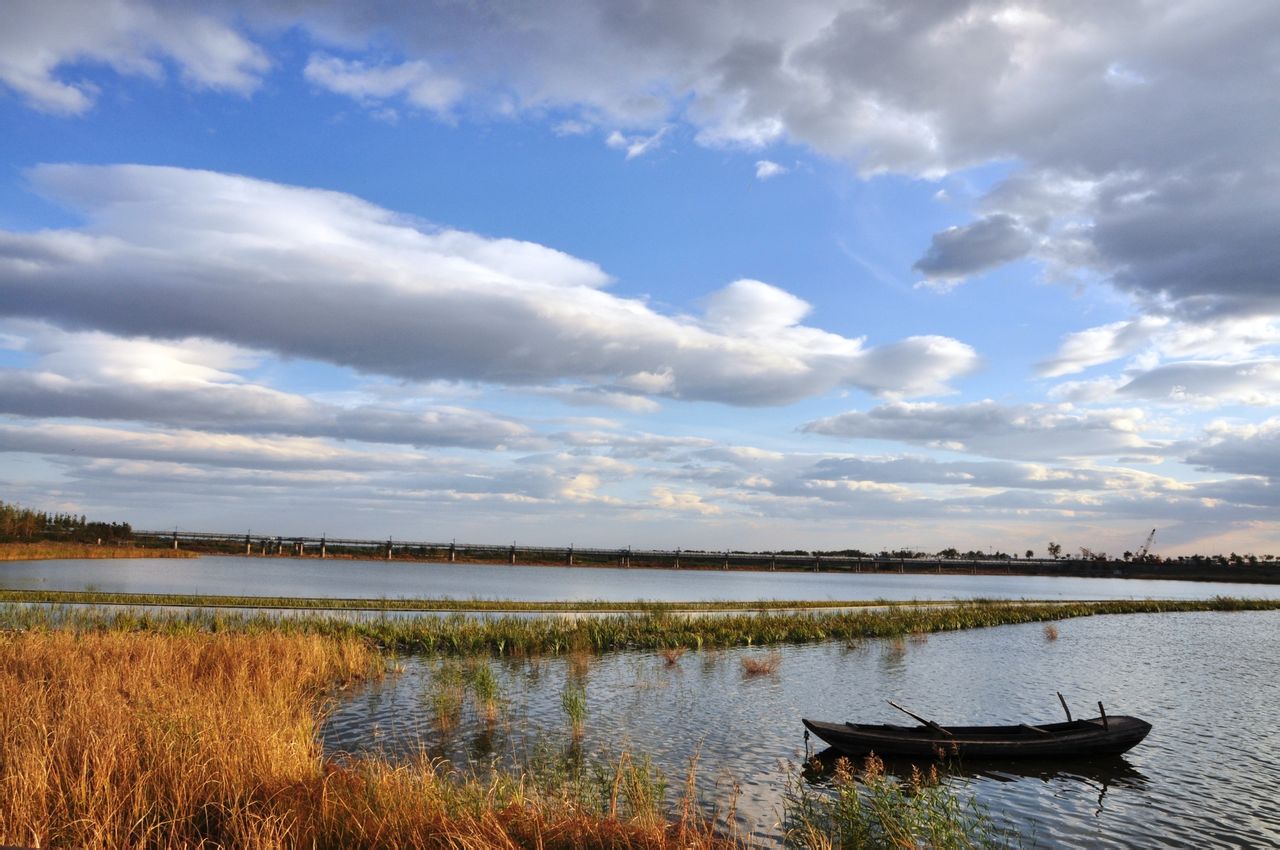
<point x="131" y="740"/>
<point x="596" y="606"/>
<point x="761" y="665"/>
<point x="528" y="637"/>
<point x="867" y="808"/>
<point x="671" y="655"/>
<point x="45" y="550"/>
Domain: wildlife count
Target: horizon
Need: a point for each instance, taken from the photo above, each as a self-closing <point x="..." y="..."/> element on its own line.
<point x="973" y="275"/>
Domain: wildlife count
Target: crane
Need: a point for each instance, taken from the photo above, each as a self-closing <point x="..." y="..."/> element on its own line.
<point x="1146" y="547"/>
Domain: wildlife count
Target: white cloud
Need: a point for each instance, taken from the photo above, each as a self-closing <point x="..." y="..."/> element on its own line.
<point x="185" y="385"/>
<point x="416" y="82"/>
<point x="278" y="268"/>
<point x="685" y="502"/>
<point x="1037" y="432"/>
<point x="636" y="145"/>
<point x="766" y="169"/>
<point x="41" y="37"/>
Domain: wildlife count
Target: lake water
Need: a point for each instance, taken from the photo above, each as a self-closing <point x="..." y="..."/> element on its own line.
<point x="394" y="580"/>
<point x="1206" y="776"/>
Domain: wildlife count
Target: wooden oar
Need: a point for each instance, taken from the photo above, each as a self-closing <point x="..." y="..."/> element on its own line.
<point x="934" y="726"/>
<point x="1062" y="700"/>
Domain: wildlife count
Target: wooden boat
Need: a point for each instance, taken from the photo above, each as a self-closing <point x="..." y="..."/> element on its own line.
<point x="1094" y="736"/>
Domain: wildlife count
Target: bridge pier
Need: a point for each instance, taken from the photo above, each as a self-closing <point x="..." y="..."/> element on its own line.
<point x="388" y="549"/>
<point x="453" y="553"/>
<point x="817" y="563"/>
<point x="175" y="541"/>
<point x="324" y="548"/>
<point x="568" y="558"/>
<point x="511" y="556"/>
<point x="726" y="560"/>
<point x="773" y="561"/>
<point x="248" y="545"/>
<point x="677" y="559"/>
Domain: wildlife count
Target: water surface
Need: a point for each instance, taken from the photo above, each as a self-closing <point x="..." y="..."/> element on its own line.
<point x="230" y="576"/>
<point x="1205" y="776"/>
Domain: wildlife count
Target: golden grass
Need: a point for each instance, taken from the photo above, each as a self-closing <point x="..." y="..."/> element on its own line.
<point x="672" y="655"/>
<point x="52" y="550"/>
<point x="761" y="665"/>
<point x="130" y="740"/>
<point x="1050" y="631"/>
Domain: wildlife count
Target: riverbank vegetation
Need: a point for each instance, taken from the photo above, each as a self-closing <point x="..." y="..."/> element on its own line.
<point x="578" y="637"/>
<point x="114" y="739"/>
<point x="180" y="600"/>
<point x="51" y="550"/>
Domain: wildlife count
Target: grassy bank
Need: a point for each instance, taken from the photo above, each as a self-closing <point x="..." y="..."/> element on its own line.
<point x="180" y="600"/>
<point x="521" y="636"/>
<point x="47" y="550"/>
<point x="122" y="739"/>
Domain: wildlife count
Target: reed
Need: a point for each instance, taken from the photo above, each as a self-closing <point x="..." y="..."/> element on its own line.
<point x="485" y="688"/>
<point x="528" y="637"/>
<point x="761" y="665"/>
<point x="1050" y="632"/>
<point x="118" y="740"/>
<point x="49" y="550"/>
<point x="574" y="703"/>
<point x="446" y="694"/>
<point x="671" y="655"/>
<point x="869" y="809"/>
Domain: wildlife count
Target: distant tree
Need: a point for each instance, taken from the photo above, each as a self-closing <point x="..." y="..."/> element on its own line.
<point x="1031" y="553"/>
<point x="1055" y="549"/>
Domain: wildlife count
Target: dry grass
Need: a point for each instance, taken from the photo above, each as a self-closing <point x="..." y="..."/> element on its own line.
<point x="761" y="665"/>
<point x="53" y="550"/>
<point x="1050" y="631"/>
<point x="136" y="741"/>
<point x="672" y="655"/>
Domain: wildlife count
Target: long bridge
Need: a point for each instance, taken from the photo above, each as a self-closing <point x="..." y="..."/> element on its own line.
<point x="323" y="547"/>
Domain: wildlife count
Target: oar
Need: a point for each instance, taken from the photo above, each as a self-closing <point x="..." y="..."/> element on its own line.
<point x="934" y="726"/>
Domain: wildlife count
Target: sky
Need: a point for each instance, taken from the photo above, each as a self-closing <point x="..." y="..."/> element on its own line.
<point x="866" y="274"/>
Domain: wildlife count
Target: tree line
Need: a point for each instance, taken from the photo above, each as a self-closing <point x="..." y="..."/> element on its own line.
<point x="18" y="523"/>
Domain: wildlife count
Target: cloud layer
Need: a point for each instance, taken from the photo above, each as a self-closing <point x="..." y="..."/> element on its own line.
<point x="278" y="268"/>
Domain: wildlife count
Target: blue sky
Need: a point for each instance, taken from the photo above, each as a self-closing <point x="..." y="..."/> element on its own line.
<point x="871" y="276"/>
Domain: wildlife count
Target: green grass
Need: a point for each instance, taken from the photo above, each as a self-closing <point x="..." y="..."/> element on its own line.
<point x="523" y="636"/>
<point x="869" y="809"/>
<point x="179" y="600"/>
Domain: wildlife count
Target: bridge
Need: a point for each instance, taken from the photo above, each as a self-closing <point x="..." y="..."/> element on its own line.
<point x="452" y="552"/>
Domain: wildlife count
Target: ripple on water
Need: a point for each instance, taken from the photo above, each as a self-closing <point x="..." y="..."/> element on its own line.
<point x="1205" y="777"/>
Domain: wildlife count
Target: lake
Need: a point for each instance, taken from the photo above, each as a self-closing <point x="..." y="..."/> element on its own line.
<point x="1204" y="777"/>
<point x="237" y="576"/>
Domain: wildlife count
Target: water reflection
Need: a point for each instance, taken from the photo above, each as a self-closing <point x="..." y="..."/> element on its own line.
<point x="1098" y="773"/>
<point x="380" y="579"/>
<point x="1187" y="785"/>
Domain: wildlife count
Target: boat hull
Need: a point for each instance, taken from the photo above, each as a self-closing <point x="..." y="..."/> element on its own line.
<point x="1055" y="740"/>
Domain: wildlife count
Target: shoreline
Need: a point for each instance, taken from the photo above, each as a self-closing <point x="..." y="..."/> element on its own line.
<point x="1239" y="574"/>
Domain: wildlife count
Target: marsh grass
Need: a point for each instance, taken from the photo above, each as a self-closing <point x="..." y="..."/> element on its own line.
<point x="47" y="550"/>
<point x="1050" y="632"/>
<point x="761" y="665"/>
<point x="485" y="689"/>
<point x="671" y="655"/>
<point x="122" y="740"/>
<point x="573" y="700"/>
<point x="446" y="692"/>
<point x="525" y="637"/>
<point x="868" y="809"/>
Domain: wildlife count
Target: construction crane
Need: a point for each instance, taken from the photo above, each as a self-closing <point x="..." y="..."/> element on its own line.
<point x="1146" y="547"/>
